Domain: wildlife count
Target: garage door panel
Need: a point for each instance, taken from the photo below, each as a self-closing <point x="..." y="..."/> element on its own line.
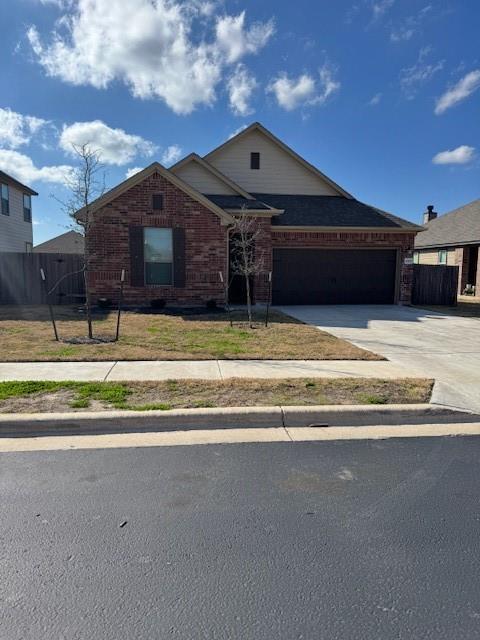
<point x="328" y="276"/>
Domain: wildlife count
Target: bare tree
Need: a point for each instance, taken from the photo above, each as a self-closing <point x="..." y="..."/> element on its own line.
<point x="86" y="183"/>
<point x="246" y="259"/>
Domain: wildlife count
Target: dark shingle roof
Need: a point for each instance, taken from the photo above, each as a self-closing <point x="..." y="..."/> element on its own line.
<point x="460" y="226"/>
<point x="236" y="202"/>
<point x="316" y="211"/>
<point x="329" y="211"/>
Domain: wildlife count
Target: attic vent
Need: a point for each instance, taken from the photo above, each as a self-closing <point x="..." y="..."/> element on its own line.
<point x="254" y="160"/>
<point x="157" y="201"/>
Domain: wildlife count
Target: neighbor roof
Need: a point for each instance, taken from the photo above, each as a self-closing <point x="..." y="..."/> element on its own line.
<point x="4" y="177"/>
<point x="330" y="211"/>
<point x="256" y="126"/>
<point x="69" y="242"/>
<point x="460" y="226"/>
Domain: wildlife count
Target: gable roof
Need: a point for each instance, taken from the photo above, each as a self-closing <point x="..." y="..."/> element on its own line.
<point x="4" y="177"/>
<point x="460" y="226"/>
<point x="194" y="157"/>
<point x="331" y="211"/>
<point x="69" y="242"/>
<point x="256" y="126"/>
<point x="156" y="167"/>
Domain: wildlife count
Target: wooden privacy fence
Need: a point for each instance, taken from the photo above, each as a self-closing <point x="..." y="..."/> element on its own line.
<point x="20" y="281"/>
<point x="435" y="284"/>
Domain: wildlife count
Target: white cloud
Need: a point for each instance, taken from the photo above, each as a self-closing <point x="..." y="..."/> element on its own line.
<point x="62" y="4"/>
<point x="132" y="171"/>
<point x="461" y="155"/>
<point x="171" y="155"/>
<point x="149" y="47"/>
<point x="410" y="25"/>
<point x="375" y="99"/>
<point x="462" y="90"/>
<point x="21" y="167"/>
<point x="304" y="90"/>
<point x="380" y="8"/>
<point x="236" y="41"/>
<point x="412" y="78"/>
<point x="240" y="87"/>
<point x="17" y="129"/>
<point x="115" y="146"/>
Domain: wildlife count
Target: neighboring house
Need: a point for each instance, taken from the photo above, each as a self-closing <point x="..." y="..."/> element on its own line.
<point x="15" y="215"/>
<point x="69" y="242"/>
<point x="453" y="239"/>
<point x="170" y="231"/>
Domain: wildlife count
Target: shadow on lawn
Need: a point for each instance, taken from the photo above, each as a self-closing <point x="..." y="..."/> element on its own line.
<point x="76" y="313"/>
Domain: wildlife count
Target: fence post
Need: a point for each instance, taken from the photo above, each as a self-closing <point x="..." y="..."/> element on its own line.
<point x="120" y="301"/>
<point x="269" y="299"/>
<point x="225" y="293"/>
<point x="52" y="318"/>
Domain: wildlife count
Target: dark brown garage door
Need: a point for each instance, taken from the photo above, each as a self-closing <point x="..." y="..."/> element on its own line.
<point x="328" y="276"/>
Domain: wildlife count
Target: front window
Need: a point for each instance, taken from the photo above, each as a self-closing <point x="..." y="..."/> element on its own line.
<point x="158" y="256"/>
<point x="5" y="208"/>
<point x="28" y="247"/>
<point x="442" y="256"/>
<point x="27" y="207"/>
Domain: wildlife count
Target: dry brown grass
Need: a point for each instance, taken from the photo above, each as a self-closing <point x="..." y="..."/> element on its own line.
<point x="173" y="394"/>
<point x="26" y="335"/>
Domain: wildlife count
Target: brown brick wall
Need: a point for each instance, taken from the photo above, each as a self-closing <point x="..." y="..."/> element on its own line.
<point x="335" y="240"/>
<point x="205" y="246"/>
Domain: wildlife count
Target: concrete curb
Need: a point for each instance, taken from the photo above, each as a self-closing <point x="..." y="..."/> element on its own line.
<point x="90" y="423"/>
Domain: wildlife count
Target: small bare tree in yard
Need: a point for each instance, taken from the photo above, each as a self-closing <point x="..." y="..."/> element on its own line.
<point x="86" y="184"/>
<point x="246" y="259"/>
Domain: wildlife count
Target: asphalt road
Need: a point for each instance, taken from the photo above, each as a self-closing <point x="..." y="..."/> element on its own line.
<point x="342" y="540"/>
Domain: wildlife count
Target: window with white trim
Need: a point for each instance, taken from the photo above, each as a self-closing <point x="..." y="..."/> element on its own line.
<point x="158" y="255"/>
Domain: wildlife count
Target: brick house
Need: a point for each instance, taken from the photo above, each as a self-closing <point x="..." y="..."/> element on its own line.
<point x="170" y="230"/>
<point x="453" y="239"/>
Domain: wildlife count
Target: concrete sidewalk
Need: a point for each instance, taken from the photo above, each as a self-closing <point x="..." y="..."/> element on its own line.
<point x="200" y="370"/>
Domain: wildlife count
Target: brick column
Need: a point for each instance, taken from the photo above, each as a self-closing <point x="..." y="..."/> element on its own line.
<point x="264" y="249"/>
<point x="406" y="271"/>
<point x="461" y="261"/>
<point x="477" y="279"/>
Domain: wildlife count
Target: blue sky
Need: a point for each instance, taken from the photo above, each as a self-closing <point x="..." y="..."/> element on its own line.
<point x="382" y="95"/>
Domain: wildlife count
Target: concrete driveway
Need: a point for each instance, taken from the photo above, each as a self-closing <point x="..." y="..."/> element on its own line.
<point x="424" y="343"/>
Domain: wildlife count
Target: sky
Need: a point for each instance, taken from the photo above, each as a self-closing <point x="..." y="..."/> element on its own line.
<point x="383" y="96"/>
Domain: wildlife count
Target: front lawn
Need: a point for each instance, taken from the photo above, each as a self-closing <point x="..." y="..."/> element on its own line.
<point x="26" y="335"/>
<point x="32" y="397"/>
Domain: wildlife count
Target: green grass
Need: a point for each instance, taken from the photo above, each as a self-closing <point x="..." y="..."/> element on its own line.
<point x="366" y="398"/>
<point x="19" y="389"/>
<point x="152" y="406"/>
<point x="114" y="394"/>
<point x="31" y="396"/>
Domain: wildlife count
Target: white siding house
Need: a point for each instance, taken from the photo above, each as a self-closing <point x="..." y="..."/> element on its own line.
<point x="15" y="215"/>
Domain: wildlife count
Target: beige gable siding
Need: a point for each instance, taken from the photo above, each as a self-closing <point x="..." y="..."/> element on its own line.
<point x="278" y="173"/>
<point x="430" y="256"/>
<point x="202" y="180"/>
<point x="14" y="231"/>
